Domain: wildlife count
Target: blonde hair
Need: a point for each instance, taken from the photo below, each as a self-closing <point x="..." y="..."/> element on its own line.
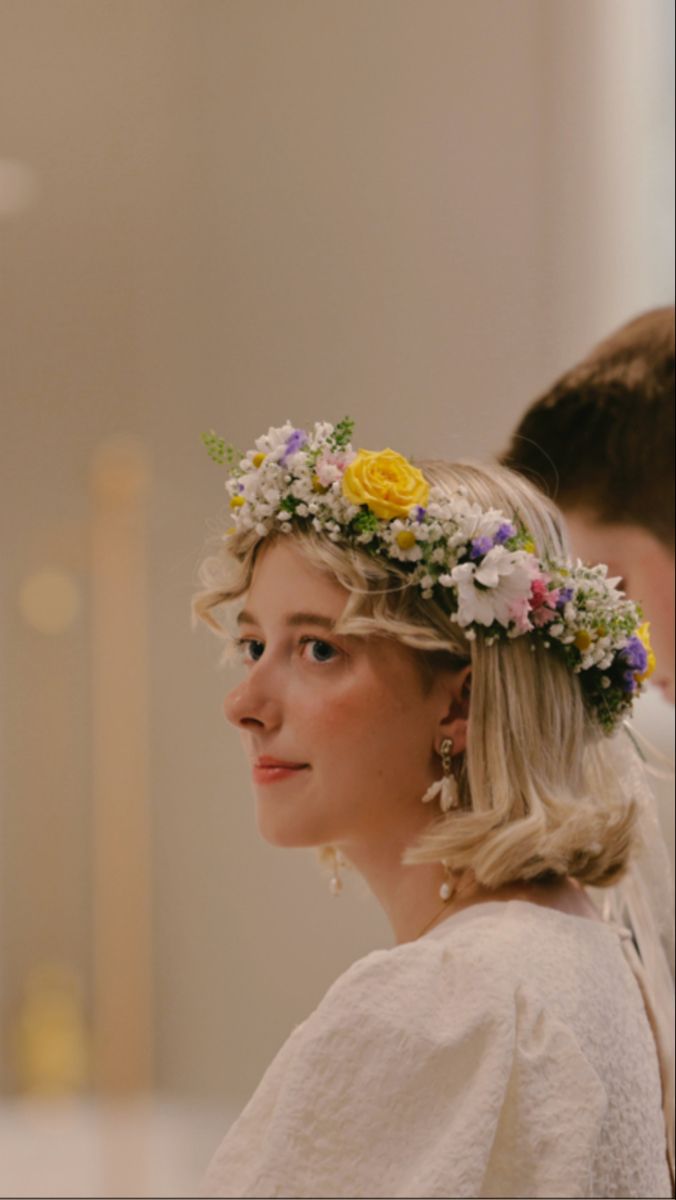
<point x="539" y="794"/>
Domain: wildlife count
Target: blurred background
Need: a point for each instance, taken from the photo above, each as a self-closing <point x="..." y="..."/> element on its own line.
<point x="224" y="213"/>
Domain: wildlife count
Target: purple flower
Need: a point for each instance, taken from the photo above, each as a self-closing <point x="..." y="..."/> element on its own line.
<point x="635" y="655"/>
<point x="294" y="443"/>
<point x="565" y="594"/>
<point x="420" y="513"/>
<point x="505" y="532"/>
<point x="481" y="546"/>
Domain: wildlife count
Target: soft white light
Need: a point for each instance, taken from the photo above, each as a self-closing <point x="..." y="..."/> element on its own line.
<point x="18" y="186"/>
<point x="50" y="600"/>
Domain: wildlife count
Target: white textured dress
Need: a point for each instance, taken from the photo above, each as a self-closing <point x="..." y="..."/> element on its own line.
<point x="506" y="1053"/>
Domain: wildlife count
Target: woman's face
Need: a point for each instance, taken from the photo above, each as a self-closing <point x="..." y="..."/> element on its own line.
<point x="339" y="731"/>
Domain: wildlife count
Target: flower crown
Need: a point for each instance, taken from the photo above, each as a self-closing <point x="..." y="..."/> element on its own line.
<point x="481" y="565"/>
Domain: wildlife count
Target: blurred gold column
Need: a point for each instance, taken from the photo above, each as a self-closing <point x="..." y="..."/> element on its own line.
<point x="121" y="881"/>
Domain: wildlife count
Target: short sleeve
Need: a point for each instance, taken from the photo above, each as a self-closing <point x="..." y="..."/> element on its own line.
<point x="423" y="1072"/>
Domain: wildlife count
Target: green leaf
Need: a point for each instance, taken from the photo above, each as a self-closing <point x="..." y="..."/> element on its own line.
<point x="220" y="451"/>
<point x="364" y="522"/>
<point x="342" y="434"/>
<point x="215" y="446"/>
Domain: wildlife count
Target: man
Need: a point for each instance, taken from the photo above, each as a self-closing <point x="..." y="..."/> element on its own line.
<point x="600" y="442"/>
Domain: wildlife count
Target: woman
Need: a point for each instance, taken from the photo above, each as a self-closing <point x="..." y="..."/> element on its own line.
<point x="431" y="694"/>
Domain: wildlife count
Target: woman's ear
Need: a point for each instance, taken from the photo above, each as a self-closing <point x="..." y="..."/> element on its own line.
<point x="456" y="730"/>
<point x="461" y="690"/>
<point x="465" y="688"/>
<point x="455" y="720"/>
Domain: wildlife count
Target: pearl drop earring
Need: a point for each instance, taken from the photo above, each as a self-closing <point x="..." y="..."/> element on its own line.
<point x="446" y="890"/>
<point x="336" y="882"/>
<point x="445" y="788"/>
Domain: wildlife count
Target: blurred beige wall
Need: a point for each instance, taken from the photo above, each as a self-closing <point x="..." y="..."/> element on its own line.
<point x="229" y="213"/>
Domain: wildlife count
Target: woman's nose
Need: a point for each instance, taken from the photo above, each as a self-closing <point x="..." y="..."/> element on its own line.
<point x="248" y="705"/>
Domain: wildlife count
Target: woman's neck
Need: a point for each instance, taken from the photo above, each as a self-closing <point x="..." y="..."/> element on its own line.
<point x="409" y="895"/>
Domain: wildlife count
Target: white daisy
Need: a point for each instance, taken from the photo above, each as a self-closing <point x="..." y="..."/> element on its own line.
<point x="505" y="578"/>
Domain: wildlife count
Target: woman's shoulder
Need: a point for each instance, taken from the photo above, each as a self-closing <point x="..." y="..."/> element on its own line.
<point x="440" y="1067"/>
<point x="477" y="962"/>
<point x="491" y="937"/>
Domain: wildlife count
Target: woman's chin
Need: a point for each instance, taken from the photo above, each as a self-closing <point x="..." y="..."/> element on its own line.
<point x="279" y="829"/>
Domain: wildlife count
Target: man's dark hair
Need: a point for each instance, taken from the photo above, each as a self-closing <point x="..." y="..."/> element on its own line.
<point x="602" y="438"/>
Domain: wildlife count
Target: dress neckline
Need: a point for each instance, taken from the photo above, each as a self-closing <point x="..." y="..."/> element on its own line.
<point x="493" y="907"/>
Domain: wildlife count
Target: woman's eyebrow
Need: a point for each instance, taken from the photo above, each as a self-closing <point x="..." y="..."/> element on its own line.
<point x="307" y="618"/>
<point x="299" y="618"/>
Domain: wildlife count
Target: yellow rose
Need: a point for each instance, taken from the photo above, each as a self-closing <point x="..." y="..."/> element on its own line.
<point x="643" y="634"/>
<point x="384" y="481"/>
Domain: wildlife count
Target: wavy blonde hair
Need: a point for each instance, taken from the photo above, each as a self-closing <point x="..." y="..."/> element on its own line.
<point x="539" y="795"/>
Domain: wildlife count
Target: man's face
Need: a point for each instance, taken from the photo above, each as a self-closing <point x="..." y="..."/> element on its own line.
<point x="646" y="567"/>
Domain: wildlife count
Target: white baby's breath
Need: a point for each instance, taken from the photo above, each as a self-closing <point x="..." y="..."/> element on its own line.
<point x="478" y="562"/>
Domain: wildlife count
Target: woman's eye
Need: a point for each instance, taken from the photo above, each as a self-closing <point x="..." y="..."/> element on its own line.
<point x="318" y="651"/>
<point x="249" y="649"/>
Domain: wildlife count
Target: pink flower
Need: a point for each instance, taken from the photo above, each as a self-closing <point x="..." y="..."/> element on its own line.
<point x="542" y="616"/>
<point x="542" y="601"/>
<point x="519" y="613"/>
<point x="538" y="591"/>
<point x="330" y="468"/>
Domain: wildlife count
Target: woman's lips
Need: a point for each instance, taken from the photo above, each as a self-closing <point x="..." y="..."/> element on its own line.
<point x="273" y="770"/>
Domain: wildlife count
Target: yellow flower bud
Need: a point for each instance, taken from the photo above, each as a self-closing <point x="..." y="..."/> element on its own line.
<point x="643" y="634"/>
<point x="405" y="539"/>
<point x="386" y="483"/>
<point x="317" y="485"/>
<point x="237" y="502"/>
<point x="258" y="459"/>
<point x="529" y="546"/>
<point x="583" y="639"/>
